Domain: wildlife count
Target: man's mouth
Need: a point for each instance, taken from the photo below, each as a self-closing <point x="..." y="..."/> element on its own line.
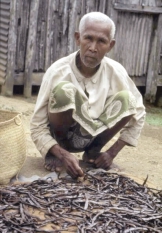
<point x="91" y="57"/>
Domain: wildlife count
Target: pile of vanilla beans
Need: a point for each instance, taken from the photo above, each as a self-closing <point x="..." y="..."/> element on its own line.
<point x="101" y="203"/>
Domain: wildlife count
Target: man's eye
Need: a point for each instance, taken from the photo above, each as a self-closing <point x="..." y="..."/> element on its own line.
<point x="102" y="41"/>
<point x="88" y="38"/>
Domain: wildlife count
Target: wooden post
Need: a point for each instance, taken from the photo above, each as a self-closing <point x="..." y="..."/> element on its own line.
<point x="31" y="45"/>
<point x="152" y="76"/>
<point x="7" y="88"/>
<point x="48" y="36"/>
<point x="72" y="26"/>
<point x="113" y="15"/>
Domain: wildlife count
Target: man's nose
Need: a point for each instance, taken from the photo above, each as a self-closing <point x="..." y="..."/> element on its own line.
<point x="93" y="46"/>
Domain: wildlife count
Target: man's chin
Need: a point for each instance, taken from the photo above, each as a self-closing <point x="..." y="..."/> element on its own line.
<point x="91" y="65"/>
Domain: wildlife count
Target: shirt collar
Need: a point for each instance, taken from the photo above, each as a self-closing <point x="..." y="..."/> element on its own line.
<point x="79" y="76"/>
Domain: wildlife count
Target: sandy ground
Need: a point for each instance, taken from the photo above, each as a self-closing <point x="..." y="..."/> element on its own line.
<point x="146" y="159"/>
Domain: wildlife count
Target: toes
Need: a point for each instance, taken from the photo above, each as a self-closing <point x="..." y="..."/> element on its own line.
<point x="53" y="169"/>
<point x="52" y="163"/>
<point x="49" y="167"/>
<point x="58" y="169"/>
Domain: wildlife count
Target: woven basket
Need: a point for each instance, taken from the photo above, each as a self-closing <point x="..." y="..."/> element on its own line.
<point x="12" y="145"/>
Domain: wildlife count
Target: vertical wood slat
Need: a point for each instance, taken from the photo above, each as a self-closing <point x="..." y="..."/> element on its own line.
<point x="22" y="18"/>
<point x="64" y="38"/>
<point x="55" y="26"/>
<point x="91" y="6"/>
<point x="113" y="15"/>
<point x="83" y="7"/>
<point x="48" y="36"/>
<point x="31" y="44"/>
<point x="19" y="17"/>
<point x="41" y="36"/>
<point x="102" y="6"/>
<point x="4" y="30"/>
<point x="72" y="25"/>
<point x="154" y="63"/>
<point x="7" y="88"/>
<point x="38" y="30"/>
<point x="160" y="65"/>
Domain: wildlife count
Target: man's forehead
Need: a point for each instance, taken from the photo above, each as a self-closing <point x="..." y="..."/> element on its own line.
<point x="103" y="30"/>
<point x="94" y="21"/>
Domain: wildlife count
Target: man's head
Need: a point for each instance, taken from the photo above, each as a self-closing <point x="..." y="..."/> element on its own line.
<point x="100" y="17"/>
<point x="95" y="38"/>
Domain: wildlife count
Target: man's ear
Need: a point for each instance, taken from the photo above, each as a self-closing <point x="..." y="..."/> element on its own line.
<point x="77" y="38"/>
<point x="112" y="43"/>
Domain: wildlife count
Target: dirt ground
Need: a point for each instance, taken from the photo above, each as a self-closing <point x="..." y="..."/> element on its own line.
<point x="145" y="159"/>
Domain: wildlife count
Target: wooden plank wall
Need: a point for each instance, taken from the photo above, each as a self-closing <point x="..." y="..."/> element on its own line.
<point x="134" y="34"/>
<point x="31" y="47"/>
<point x="154" y="79"/>
<point x="160" y="67"/>
<point x="56" y="24"/>
<point x="22" y="27"/>
<point x="54" y="27"/>
<point x="4" y="30"/>
<point x="137" y="43"/>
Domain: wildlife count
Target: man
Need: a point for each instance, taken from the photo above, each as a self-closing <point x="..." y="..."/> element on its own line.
<point x="84" y="100"/>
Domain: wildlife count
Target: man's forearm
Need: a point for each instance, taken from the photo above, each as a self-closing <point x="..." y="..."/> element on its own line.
<point x="116" y="147"/>
<point x="57" y="151"/>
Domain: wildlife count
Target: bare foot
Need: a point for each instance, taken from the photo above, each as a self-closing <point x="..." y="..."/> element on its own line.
<point x="52" y="163"/>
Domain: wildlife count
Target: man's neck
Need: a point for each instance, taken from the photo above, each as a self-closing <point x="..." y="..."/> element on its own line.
<point x="87" y="72"/>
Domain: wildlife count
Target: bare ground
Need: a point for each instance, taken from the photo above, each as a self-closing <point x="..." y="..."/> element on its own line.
<point x="145" y="159"/>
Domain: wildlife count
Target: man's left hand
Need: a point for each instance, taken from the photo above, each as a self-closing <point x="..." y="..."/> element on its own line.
<point x="99" y="159"/>
<point x="104" y="160"/>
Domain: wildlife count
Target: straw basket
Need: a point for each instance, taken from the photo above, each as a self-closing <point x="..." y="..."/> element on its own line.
<point x="12" y="145"/>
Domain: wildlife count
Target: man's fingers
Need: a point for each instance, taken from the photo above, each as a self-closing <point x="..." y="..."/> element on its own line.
<point x="58" y="169"/>
<point x="91" y="160"/>
<point x="103" y="161"/>
<point x="75" y="172"/>
<point x="49" y="167"/>
<point x="80" y="172"/>
<point x="102" y="165"/>
<point x="77" y="169"/>
<point x="98" y="161"/>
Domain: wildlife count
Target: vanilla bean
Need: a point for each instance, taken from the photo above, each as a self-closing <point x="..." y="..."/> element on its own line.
<point x="102" y="202"/>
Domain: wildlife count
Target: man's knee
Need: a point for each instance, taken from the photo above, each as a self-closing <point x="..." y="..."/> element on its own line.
<point x="127" y="99"/>
<point x="61" y="104"/>
<point x="61" y="118"/>
<point x="62" y="95"/>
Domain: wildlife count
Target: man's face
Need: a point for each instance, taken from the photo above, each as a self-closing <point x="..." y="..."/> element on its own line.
<point x="94" y="42"/>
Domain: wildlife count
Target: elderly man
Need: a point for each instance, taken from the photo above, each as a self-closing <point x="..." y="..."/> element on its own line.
<point x="84" y="100"/>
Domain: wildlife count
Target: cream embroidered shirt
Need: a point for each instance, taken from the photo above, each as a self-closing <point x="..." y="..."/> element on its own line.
<point x="110" y="78"/>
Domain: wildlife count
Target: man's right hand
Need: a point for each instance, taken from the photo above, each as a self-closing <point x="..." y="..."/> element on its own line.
<point x="70" y="162"/>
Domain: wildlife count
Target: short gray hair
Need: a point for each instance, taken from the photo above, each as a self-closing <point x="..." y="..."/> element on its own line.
<point x="100" y="17"/>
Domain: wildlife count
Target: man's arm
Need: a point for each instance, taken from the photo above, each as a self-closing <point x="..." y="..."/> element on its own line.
<point x="39" y="125"/>
<point x="105" y="159"/>
<point x="69" y="161"/>
<point x="40" y="130"/>
<point x="129" y="134"/>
